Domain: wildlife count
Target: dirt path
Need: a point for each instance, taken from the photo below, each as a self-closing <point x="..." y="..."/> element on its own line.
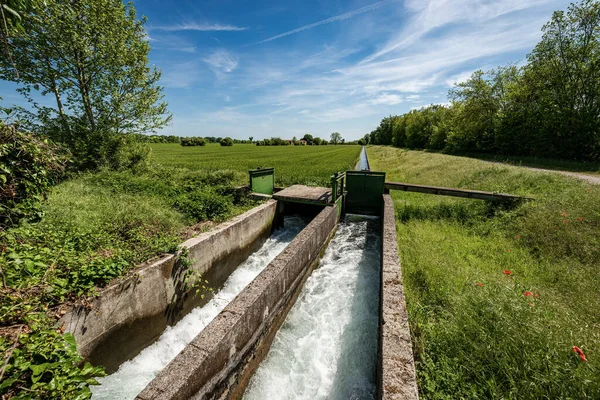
<point x="594" y="180"/>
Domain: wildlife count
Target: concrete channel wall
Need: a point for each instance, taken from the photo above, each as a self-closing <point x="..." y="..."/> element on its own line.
<point x="396" y="366"/>
<point x="219" y="362"/>
<point x="132" y="313"/>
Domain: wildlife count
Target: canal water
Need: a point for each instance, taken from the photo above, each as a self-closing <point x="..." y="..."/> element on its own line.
<point x="133" y="375"/>
<point x="327" y="346"/>
<point x="363" y="162"/>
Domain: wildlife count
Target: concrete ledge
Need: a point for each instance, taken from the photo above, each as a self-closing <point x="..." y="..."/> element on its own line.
<point x="396" y="366"/>
<point x="131" y="313"/>
<point x="219" y="362"/>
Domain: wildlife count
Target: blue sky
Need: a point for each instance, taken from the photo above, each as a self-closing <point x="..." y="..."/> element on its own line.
<point x="274" y="68"/>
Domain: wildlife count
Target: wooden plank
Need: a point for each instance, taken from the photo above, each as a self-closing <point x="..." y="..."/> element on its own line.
<point x="443" y="191"/>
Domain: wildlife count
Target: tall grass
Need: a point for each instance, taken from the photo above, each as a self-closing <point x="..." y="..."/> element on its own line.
<point x="478" y="332"/>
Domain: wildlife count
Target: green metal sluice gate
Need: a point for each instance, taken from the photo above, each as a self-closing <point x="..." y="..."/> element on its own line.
<point x="355" y="192"/>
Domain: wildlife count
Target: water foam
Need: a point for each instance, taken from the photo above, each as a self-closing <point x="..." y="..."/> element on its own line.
<point x="133" y="375"/>
<point x="327" y="346"/>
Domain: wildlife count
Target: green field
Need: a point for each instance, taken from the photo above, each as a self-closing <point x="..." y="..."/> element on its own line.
<point x="293" y="164"/>
<point x="478" y="332"/>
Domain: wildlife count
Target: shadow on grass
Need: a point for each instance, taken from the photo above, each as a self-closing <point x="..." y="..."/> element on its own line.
<point x="533" y="162"/>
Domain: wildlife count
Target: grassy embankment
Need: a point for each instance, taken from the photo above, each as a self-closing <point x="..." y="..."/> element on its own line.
<point x="480" y="331"/>
<point x="96" y="227"/>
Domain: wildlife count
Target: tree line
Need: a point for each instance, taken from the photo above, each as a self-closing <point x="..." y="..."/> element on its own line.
<point x="549" y="107"/>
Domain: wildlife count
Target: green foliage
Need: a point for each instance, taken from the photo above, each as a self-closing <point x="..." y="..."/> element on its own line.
<point x="193" y="141"/>
<point x="336" y="138"/>
<point x="47" y="364"/>
<point x="475" y="333"/>
<point x="92" y="57"/>
<point x="29" y="165"/>
<point x="203" y="205"/>
<point x="549" y="107"/>
<point x="227" y="142"/>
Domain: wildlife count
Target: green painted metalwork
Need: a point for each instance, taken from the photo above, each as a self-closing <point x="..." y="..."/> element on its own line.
<point x="337" y="186"/>
<point x="262" y="180"/>
<point x="365" y="189"/>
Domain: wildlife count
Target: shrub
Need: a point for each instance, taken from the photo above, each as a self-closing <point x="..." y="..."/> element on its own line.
<point x="203" y="205"/>
<point x="193" y="141"/>
<point x="29" y="165"/>
<point x="122" y="152"/>
<point x="226" y="142"/>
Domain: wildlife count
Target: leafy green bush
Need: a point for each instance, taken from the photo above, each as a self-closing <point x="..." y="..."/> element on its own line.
<point x="28" y="166"/>
<point x="203" y="205"/>
<point x="47" y="364"/>
<point x="226" y="141"/>
<point x="192" y="141"/>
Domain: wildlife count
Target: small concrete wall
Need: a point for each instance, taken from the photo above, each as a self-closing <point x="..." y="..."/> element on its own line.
<point x="219" y="362"/>
<point x="396" y="366"/>
<point x="130" y="314"/>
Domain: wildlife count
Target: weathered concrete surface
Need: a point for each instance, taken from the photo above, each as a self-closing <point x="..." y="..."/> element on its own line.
<point x="305" y="194"/>
<point x="218" y="363"/>
<point x="130" y="314"/>
<point x="396" y="369"/>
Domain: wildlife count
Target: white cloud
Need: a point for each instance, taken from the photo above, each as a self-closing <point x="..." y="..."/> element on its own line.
<point x="336" y="18"/>
<point x="221" y="62"/>
<point x="386" y="98"/>
<point x="181" y="75"/>
<point x="193" y="26"/>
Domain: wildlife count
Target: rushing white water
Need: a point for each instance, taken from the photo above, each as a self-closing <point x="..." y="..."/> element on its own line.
<point x="327" y="346"/>
<point x="363" y="162"/>
<point x="133" y="375"/>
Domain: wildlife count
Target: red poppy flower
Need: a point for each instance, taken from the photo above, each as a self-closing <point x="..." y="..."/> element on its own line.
<point x="517" y="236"/>
<point x="566" y="221"/>
<point x="527" y="293"/>
<point x="580" y="353"/>
<point x="507" y="272"/>
<point x="579" y="219"/>
<point x="479" y="284"/>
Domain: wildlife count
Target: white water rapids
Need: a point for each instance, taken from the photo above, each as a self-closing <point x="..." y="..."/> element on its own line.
<point x="327" y="346"/>
<point x="133" y="375"/>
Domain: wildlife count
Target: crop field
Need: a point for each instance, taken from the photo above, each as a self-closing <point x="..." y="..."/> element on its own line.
<point x="498" y="296"/>
<point x="293" y="164"/>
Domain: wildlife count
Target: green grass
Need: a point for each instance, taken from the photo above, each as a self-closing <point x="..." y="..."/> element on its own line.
<point x="491" y="341"/>
<point x="293" y="164"/>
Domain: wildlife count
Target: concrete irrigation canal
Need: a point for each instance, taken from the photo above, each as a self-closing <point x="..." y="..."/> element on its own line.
<point x="307" y="303"/>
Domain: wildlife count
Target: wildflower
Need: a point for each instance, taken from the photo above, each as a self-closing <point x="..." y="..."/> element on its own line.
<point x="517" y="236"/>
<point x="566" y="221"/>
<point x="527" y="293"/>
<point x="580" y="353"/>
<point x="479" y="284"/>
<point x="579" y="219"/>
<point x="563" y="214"/>
<point x="507" y="272"/>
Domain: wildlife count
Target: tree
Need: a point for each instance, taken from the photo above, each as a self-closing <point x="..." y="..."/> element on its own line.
<point x="251" y="138"/>
<point x="309" y="139"/>
<point x="92" y="57"/>
<point x="564" y="72"/>
<point x="335" y="138"/>
<point x="226" y="142"/>
<point x="317" y="141"/>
